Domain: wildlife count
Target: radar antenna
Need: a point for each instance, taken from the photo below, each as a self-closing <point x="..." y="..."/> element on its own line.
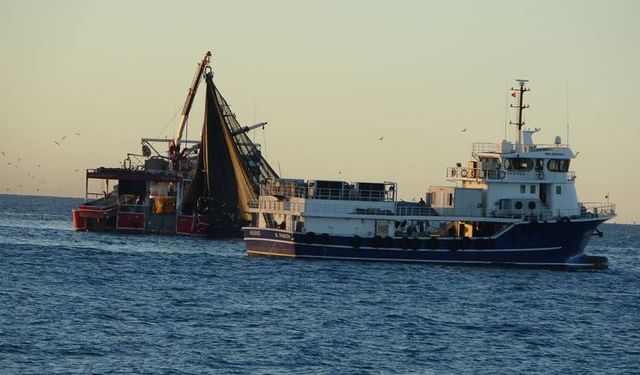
<point x="521" y="106"/>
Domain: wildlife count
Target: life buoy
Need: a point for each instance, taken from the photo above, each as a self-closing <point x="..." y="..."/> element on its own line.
<point x="465" y="243"/>
<point x="404" y="243"/>
<point x="324" y="239"/>
<point x="388" y="242"/>
<point x="376" y="242"/>
<point x="463" y="173"/>
<point x="433" y="243"/>
<point x="356" y="241"/>
<point x="453" y="245"/>
<point x="310" y="237"/>
<point x="415" y="243"/>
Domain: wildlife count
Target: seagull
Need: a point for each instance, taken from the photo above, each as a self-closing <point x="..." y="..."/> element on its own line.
<point x="78" y="134"/>
<point x="63" y="138"/>
<point x="381" y="138"/>
<point x="464" y="130"/>
<point x="39" y="166"/>
<point x="56" y="142"/>
<point x="76" y="170"/>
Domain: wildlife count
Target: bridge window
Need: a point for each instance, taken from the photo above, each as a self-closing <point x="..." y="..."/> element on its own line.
<point x="523" y="189"/>
<point x="518" y="164"/>
<point x="558" y="165"/>
<point x="532" y="189"/>
<point x="558" y="189"/>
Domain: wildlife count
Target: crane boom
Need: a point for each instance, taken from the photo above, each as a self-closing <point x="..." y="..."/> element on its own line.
<point x="245" y="129"/>
<point x="184" y="116"/>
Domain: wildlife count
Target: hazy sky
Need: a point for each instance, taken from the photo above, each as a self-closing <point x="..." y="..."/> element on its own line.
<point x="330" y="77"/>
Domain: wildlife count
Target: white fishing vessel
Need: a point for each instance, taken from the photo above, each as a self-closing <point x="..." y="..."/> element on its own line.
<point x="513" y="203"/>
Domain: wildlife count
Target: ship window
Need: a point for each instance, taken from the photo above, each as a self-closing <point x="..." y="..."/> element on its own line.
<point x="558" y="165"/>
<point x="532" y="205"/>
<point x="523" y="189"/>
<point x="532" y="189"/>
<point x="450" y="199"/>
<point x="518" y="205"/>
<point x="518" y="164"/>
<point x="558" y="189"/>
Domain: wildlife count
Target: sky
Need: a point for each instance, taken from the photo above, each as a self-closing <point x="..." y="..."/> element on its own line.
<point x="330" y="78"/>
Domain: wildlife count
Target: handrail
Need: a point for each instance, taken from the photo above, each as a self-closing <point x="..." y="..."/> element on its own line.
<point x="487" y="147"/>
<point x="462" y="173"/>
<point x="583" y="210"/>
<point x="348" y="192"/>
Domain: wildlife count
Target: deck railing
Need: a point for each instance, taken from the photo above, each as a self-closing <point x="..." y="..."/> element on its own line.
<point x="486" y="147"/>
<point x="589" y="210"/>
<point x="494" y="174"/>
<point x="347" y="192"/>
<point x="584" y="210"/>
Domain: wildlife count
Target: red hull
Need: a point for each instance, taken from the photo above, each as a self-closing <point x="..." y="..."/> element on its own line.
<point x="192" y="225"/>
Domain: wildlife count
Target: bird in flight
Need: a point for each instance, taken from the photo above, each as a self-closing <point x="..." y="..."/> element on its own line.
<point x="78" y="134"/>
<point x="56" y="142"/>
<point x="381" y="138"/>
<point x="464" y="130"/>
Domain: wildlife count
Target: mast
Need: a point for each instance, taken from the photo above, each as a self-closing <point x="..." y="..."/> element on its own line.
<point x="520" y="108"/>
<point x="186" y="108"/>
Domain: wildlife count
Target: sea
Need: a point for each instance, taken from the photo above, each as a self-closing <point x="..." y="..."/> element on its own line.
<point x="93" y="303"/>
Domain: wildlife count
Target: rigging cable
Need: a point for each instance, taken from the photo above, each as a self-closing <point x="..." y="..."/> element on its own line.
<point x="169" y="122"/>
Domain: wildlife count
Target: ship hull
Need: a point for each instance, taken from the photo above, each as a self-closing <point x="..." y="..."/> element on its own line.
<point x="140" y="222"/>
<point x="549" y="245"/>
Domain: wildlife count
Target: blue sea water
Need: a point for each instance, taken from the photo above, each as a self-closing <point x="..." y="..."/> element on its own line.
<point x="77" y="302"/>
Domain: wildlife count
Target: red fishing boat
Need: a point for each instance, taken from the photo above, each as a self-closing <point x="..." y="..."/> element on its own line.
<point x="180" y="186"/>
